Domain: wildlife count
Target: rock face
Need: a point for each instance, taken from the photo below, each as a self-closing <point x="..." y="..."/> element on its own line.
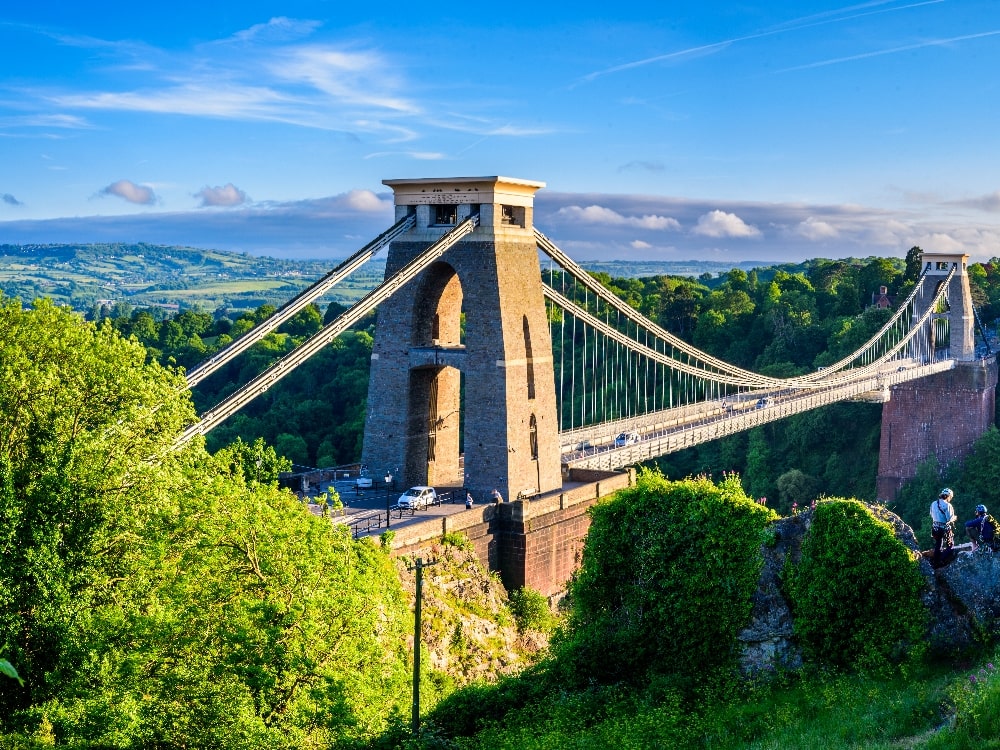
<point x="963" y="598"/>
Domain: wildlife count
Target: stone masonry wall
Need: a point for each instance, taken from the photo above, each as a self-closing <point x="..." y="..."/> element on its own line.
<point x="940" y="416"/>
<point x="534" y="543"/>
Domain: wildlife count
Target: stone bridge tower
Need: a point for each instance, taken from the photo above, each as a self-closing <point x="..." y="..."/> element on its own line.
<point x="939" y="417"/>
<point x="462" y="359"/>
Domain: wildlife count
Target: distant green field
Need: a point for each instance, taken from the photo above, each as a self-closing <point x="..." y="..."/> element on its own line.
<point x="151" y="275"/>
<point x="225" y="288"/>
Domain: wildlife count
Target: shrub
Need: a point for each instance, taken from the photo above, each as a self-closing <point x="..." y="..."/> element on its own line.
<point x="855" y="593"/>
<point x="531" y="610"/>
<point x="458" y="540"/>
<point x="668" y="572"/>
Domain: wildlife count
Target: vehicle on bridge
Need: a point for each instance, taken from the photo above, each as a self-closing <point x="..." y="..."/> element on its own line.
<point x="418" y="498"/>
<point x="364" y="480"/>
<point x="626" y="438"/>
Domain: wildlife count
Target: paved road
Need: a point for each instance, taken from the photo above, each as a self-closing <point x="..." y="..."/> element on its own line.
<point x="361" y="504"/>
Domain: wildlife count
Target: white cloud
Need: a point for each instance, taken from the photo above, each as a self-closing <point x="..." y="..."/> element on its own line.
<point x="640" y="245"/>
<point x="609" y="217"/>
<point x="227" y="195"/>
<point x="362" y="200"/>
<point x="279" y="28"/>
<point x="131" y="192"/>
<point x="721" y="224"/>
<point x="939" y="242"/>
<point x="814" y="229"/>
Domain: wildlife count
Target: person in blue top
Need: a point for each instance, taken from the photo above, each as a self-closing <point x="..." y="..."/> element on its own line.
<point x="982" y="530"/>
<point x="942" y="518"/>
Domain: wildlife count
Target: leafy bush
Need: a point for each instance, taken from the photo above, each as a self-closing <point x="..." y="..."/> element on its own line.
<point x="668" y="572"/>
<point x="855" y="593"/>
<point x="531" y="610"/>
<point x="458" y="540"/>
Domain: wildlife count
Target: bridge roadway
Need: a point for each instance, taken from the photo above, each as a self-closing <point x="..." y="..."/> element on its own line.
<point x="365" y="510"/>
<point x="673" y="430"/>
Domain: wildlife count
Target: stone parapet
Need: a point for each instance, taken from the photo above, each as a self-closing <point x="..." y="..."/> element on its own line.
<point x="535" y="543"/>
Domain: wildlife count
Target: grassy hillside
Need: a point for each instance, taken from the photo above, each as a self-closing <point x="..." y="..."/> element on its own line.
<point x="155" y="275"/>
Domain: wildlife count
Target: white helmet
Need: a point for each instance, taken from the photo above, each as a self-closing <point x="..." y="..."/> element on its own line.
<point x="946" y="493"/>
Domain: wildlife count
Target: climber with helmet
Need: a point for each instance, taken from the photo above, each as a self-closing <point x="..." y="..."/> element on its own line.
<point x="942" y="518"/>
<point x="982" y="530"/>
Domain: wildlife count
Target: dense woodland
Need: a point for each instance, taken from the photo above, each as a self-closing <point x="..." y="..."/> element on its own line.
<point x="153" y="598"/>
<point x="780" y="321"/>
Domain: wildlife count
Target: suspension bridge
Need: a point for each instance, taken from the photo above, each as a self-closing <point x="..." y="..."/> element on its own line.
<point x="498" y="362"/>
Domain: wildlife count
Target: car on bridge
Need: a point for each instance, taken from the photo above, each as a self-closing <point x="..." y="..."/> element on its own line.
<point x="764" y="402"/>
<point x="364" y="480"/>
<point x="418" y="498"/>
<point x="626" y="438"/>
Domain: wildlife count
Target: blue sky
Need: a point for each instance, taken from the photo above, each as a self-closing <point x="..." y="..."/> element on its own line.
<point x="768" y="131"/>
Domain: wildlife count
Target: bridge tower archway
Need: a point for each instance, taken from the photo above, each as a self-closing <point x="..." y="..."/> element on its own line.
<point x="465" y="345"/>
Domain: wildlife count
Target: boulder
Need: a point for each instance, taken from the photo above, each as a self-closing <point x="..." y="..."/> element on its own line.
<point x="962" y="598"/>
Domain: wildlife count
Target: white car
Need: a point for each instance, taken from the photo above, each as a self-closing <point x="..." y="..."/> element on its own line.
<point x="363" y="482"/>
<point x="626" y="438"/>
<point x="418" y="498"/>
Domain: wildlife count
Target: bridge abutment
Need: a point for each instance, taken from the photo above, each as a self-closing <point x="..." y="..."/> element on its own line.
<point x="940" y="416"/>
<point x="537" y="543"/>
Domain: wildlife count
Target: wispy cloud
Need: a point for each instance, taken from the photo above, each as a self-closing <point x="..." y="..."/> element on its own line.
<point x="418" y="155"/>
<point x="130" y="191"/>
<point x="797" y="24"/>
<point x="892" y="50"/>
<point x="279" y="28"/>
<point x="990" y="202"/>
<point x="227" y="195"/>
<point x="643" y="166"/>
<point x="273" y="72"/>
<point x="606" y="216"/>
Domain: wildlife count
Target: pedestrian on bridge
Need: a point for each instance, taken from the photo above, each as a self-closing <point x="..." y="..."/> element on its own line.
<point x="942" y="520"/>
<point x="468" y="500"/>
<point x="497" y="497"/>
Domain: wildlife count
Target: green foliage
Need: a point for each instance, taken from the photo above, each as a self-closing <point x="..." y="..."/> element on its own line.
<point x="855" y="592"/>
<point x="457" y="539"/>
<point x="177" y="602"/>
<point x="531" y="610"/>
<point x="81" y="414"/>
<point x="913" y="502"/>
<point x="976" y="698"/>
<point x="656" y="559"/>
<point x="256" y="463"/>
<point x="7" y="669"/>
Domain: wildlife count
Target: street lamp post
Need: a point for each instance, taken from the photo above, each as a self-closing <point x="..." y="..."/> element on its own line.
<point x="388" y="482"/>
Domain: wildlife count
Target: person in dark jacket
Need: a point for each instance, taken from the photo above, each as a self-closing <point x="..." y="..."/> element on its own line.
<point x="982" y="529"/>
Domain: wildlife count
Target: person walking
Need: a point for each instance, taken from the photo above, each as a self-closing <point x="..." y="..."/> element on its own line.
<point x="497" y="497"/>
<point x="468" y="500"/>
<point x="942" y="519"/>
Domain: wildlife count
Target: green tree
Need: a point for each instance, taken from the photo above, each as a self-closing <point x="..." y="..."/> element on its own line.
<point x="81" y="415"/>
<point x="855" y="592"/>
<point x="656" y="559"/>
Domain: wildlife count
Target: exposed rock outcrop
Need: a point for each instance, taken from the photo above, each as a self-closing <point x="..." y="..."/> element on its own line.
<point x="962" y="598"/>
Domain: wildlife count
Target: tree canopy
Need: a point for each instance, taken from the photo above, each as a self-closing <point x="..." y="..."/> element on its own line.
<point x="176" y="599"/>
